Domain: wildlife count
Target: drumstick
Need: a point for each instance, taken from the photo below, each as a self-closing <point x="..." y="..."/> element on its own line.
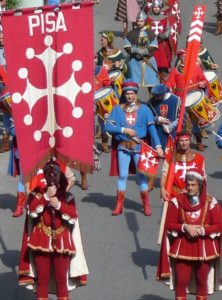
<point x="217" y="135"/>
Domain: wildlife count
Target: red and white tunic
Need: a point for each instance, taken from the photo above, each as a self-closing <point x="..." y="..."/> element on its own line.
<point x="190" y="161"/>
<point x="42" y="237"/>
<point x="205" y="214"/>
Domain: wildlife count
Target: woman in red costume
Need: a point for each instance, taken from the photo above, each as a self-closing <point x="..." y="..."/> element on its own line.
<point x="193" y="227"/>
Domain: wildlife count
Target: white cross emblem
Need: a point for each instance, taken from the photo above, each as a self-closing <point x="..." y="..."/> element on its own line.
<point x="157" y="29"/>
<point x="194" y="215"/>
<point x="149" y="158"/>
<point x="130" y="119"/>
<point x="199" y="13"/>
<point x="184" y="168"/>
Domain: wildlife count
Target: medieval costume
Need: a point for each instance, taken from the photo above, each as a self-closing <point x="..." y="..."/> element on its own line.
<point x="193" y="230"/>
<point x="159" y="24"/>
<point x="113" y="60"/>
<point x="176" y="83"/>
<point x="125" y="119"/>
<point x="165" y="107"/>
<point x="184" y="162"/>
<point x="109" y="55"/>
<point x="219" y="137"/>
<point x="141" y="44"/>
<point x="219" y="17"/>
<point x="14" y="169"/>
<point x="52" y="237"/>
<point x="5" y="106"/>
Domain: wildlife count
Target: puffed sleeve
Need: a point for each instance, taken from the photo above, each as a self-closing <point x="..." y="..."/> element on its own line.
<point x="68" y="209"/>
<point x="37" y="202"/>
<point x="172" y="223"/>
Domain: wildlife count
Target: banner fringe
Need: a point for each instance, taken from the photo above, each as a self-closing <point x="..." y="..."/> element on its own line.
<point x="72" y="163"/>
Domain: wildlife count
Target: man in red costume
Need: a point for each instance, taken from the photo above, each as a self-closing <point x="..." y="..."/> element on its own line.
<point x="159" y="24"/>
<point x="51" y="217"/>
<point x="176" y="83"/>
<point x="185" y="160"/>
<point x="193" y="228"/>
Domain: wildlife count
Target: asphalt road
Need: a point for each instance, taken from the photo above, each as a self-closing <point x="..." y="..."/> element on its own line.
<point x="122" y="251"/>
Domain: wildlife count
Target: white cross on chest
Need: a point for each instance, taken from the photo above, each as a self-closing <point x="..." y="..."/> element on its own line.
<point x="157" y="29"/>
<point x="130" y="119"/>
<point x="198" y="14"/>
<point x="184" y="168"/>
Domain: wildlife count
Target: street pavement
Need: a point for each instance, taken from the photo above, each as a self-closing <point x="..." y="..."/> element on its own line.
<point x="122" y="251"/>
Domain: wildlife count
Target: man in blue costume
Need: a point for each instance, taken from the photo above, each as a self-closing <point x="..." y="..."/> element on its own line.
<point x="141" y="44"/>
<point x="127" y="123"/>
<point x="165" y="107"/>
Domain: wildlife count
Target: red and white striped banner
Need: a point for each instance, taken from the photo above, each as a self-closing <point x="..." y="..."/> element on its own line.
<point x="193" y="42"/>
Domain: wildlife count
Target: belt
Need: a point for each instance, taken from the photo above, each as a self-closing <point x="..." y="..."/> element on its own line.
<point x="128" y="144"/>
<point x="49" y="231"/>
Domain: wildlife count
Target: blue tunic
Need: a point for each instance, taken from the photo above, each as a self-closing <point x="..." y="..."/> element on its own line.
<point x="143" y="124"/>
<point x="218" y="140"/>
<point x="167" y="108"/>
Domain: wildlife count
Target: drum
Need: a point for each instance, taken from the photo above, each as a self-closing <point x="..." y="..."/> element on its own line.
<point x="215" y="95"/>
<point x="105" y="99"/>
<point x="199" y="106"/>
<point x="118" y="78"/>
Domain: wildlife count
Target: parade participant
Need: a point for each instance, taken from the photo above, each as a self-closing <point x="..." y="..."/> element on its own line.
<point x="14" y="169"/>
<point x="193" y="227"/>
<point x="141" y="45"/>
<point x="219" y="17"/>
<point x="206" y="60"/>
<point x="165" y="108"/>
<point x="52" y="216"/>
<point x="185" y="160"/>
<point x="110" y="56"/>
<point x="160" y="26"/>
<point x="128" y="121"/>
<point x="219" y="137"/>
<point x="176" y="83"/>
<point x="126" y="11"/>
<point x="5" y="99"/>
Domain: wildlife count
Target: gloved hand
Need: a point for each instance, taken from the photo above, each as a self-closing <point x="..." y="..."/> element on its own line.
<point x="162" y="120"/>
<point x="173" y="125"/>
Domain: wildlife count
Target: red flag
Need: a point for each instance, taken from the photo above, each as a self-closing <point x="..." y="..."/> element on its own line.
<point x="173" y="38"/>
<point x="51" y="83"/>
<point x="169" y="148"/>
<point x="148" y="161"/>
<point x="193" y="46"/>
<point x="175" y="11"/>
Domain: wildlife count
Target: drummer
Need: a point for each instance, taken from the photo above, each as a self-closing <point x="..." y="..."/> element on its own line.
<point x="176" y="83"/>
<point x="102" y="79"/>
<point x="205" y="59"/>
<point x="110" y="56"/>
<point x="113" y="59"/>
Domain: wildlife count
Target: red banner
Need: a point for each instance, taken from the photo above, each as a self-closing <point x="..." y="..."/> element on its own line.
<point x="148" y="161"/>
<point x="50" y="62"/>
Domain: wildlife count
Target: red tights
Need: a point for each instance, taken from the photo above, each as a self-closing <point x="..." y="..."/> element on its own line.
<point x="183" y="275"/>
<point x="60" y="263"/>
